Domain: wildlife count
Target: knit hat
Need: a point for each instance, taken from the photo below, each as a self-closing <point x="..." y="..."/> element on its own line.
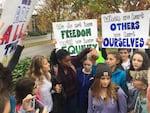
<point x="102" y="69"/>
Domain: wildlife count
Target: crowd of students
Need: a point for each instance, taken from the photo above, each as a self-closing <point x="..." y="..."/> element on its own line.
<point x="78" y="84"/>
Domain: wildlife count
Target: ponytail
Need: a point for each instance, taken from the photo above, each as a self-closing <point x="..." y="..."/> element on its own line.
<point x="53" y="58"/>
<point x="57" y="55"/>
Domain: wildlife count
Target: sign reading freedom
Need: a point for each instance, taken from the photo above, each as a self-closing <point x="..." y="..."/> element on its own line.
<point x="126" y="30"/>
<point x="15" y="15"/>
<point x="74" y="36"/>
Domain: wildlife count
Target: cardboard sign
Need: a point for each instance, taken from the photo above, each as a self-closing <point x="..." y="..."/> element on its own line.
<point x="15" y="15"/>
<point x="125" y="30"/>
<point x="74" y="36"/>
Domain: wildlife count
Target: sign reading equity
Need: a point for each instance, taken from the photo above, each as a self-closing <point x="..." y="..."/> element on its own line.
<point x="125" y="30"/>
<point x="74" y="36"/>
<point x="15" y="15"/>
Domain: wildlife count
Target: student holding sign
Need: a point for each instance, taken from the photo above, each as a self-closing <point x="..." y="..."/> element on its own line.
<point x="6" y="76"/>
<point x="64" y="70"/>
<point x="85" y="77"/>
<point x="6" y="79"/>
<point x="13" y="62"/>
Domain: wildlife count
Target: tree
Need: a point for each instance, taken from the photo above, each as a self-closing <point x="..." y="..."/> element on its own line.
<point x="62" y="10"/>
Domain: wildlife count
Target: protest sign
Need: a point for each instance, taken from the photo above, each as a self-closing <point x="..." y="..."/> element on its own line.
<point x="125" y="30"/>
<point x="74" y="36"/>
<point x="15" y="15"/>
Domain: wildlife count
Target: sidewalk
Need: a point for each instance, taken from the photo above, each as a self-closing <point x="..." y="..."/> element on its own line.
<point x="37" y="38"/>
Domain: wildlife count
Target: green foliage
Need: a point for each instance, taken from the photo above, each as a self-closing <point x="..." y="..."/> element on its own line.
<point x="43" y="33"/>
<point x="21" y="69"/>
<point x="33" y="33"/>
<point x="65" y="10"/>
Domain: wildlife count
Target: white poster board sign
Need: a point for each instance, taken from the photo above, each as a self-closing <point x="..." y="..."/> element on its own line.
<point x="15" y="15"/>
<point x="125" y="30"/>
<point x="74" y="36"/>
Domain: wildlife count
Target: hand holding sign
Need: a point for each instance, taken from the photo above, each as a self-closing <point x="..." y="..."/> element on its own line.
<point x="54" y="41"/>
<point x="93" y="55"/>
<point x="100" y="41"/>
<point x="21" y="39"/>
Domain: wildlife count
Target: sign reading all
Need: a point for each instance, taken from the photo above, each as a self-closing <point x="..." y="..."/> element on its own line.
<point x="15" y="16"/>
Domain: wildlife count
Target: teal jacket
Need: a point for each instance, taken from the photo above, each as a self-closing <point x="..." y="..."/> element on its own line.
<point x="119" y="78"/>
<point x="140" y="105"/>
<point x="12" y="104"/>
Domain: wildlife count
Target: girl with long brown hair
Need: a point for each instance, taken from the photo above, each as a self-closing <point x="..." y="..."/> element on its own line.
<point x="39" y="70"/>
<point x="104" y="96"/>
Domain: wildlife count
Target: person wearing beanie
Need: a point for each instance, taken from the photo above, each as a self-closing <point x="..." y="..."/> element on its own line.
<point x="104" y="96"/>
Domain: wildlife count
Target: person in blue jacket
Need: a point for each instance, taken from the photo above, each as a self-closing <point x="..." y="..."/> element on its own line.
<point x="118" y="74"/>
<point x="85" y="79"/>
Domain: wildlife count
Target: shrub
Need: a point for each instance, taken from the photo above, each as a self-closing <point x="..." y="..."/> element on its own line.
<point x="43" y="33"/>
<point x="21" y="69"/>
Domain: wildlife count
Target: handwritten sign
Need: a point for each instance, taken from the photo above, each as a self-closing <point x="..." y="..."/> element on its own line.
<point x="74" y="36"/>
<point x="15" y="15"/>
<point x="125" y="30"/>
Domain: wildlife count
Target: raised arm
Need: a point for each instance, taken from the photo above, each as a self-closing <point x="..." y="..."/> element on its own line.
<point x="77" y="60"/>
<point x="103" y="50"/>
<point x="15" y="58"/>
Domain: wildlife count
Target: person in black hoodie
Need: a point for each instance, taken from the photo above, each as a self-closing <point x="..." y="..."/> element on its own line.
<point x="63" y="72"/>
